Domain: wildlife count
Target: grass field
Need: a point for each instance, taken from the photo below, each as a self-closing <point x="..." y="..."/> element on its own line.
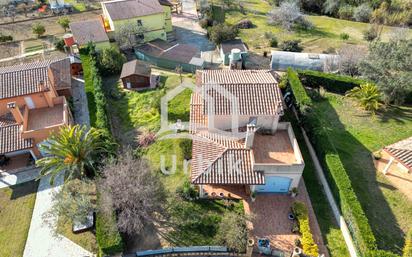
<point x="326" y="33"/>
<point x="86" y="239"/>
<point x="16" y="208"/>
<point x="356" y="134"/>
<point x="331" y="233"/>
<point x="88" y="85"/>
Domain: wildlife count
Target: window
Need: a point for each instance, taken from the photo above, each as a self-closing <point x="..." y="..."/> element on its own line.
<point x="139" y="23"/>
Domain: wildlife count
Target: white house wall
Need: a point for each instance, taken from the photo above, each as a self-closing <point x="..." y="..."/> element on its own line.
<point x="224" y="122"/>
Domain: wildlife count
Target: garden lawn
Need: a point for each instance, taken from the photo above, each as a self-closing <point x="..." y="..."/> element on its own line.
<point x="88" y="85"/>
<point x="356" y="134"/>
<point x="326" y="33"/>
<point x="16" y="208"/>
<point x="331" y="233"/>
<point x="86" y="239"/>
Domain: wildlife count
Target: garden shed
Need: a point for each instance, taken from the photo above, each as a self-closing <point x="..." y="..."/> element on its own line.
<point x="166" y="55"/>
<point x="281" y="60"/>
<point x="136" y="75"/>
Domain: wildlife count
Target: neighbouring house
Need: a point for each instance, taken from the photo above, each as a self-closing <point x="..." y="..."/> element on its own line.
<point x="238" y="141"/>
<point x="282" y="60"/>
<point x="136" y="75"/>
<point x="167" y="55"/>
<point x="232" y="51"/>
<point x="90" y="31"/>
<point x="151" y="17"/>
<point x="32" y="105"/>
<point x="399" y="156"/>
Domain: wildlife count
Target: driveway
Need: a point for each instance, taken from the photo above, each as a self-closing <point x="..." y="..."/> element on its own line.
<point x="187" y="28"/>
<point x="80" y="107"/>
<point x="270" y="220"/>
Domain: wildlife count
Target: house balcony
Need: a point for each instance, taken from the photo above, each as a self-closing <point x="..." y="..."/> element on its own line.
<point x="277" y="152"/>
<point x="40" y="122"/>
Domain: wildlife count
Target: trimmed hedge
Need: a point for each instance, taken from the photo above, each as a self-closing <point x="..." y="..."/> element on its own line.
<point x="331" y="82"/>
<point x="338" y="179"/>
<point x="107" y="236"/>
<point x="407" y="249"/>
<point x="308" y="244"/>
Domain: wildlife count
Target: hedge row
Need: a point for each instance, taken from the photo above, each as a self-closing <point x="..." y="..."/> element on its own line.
<point x="331" y="82"/>
<point x="335" y="172"/>
<point x="308" y="244"/>
<point x="108" y="237"/>
<point x="407" y="250"/>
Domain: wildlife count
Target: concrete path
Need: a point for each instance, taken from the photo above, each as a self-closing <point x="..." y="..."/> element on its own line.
<point x="81" y="109"/>
<point x="7" y="180"/>
<point x="41" y="240"/>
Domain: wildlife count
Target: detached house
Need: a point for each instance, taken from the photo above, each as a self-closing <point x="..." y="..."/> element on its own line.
<point x="152" y="17"/>
<point x="239" y="142"/>
<point x="32" y="105"/>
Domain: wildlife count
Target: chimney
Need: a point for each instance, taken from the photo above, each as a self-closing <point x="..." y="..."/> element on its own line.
<point x="18" y="116"/>
<point x="250" y="135"/>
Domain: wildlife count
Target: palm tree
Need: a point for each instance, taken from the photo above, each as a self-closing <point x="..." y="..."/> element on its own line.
<point x="368" y="96"/>
<point x="73" y="150"/>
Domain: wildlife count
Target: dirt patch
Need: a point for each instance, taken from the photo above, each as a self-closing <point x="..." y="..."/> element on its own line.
<point x="9" y="49"/>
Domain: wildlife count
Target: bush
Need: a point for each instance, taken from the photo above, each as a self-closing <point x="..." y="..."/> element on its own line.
<point x="291" y="46"/>
<point x="273" y="42"/>
<point x="334" y="170"/>
<point x="146" y="138"/>
<point x="59" y="44"/>
<point x="345" y="12"/>
<point x="371" y="33"/>
<point x="4" y="38"/>
<point x="308" y="244"/>
<point x="186" y="146"/>
<point x="205" y="23"/>
<point x="362" y="13"/>
<point x="331" y="82"/>
<point x="38" y="29"/>
<point x="222" y="32"/>
<point x="111" y="60"/>
<point x="187" y="191"/>
<point x="245" y="24"/>
<point x="344" y="36"/>
<point x="233" y="232"/>
<point x="108" y="237"/>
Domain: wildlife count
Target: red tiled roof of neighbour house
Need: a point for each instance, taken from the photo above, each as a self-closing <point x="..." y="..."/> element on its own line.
<point x="256" y="92"/>
<point x="127" y="9"/>
<point x="25" y="79"/>
<point x="402" y="152"/>
<point x="11" y="140"/>
<point x="218" y="159"/>
<point x="197" y="119"/>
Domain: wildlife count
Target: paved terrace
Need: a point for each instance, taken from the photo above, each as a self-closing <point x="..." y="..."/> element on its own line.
<point x="274" y="149"/>
<point x="45" y="117"/>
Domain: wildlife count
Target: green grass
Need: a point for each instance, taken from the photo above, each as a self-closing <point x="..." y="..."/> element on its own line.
<point x="323" y="36"/>
<point x="356" y="134"/>
<point x="331" y="233"/>
<point x="86" y="239"/>
<point x="16" y="208"/>
<point x="88" y="85"/>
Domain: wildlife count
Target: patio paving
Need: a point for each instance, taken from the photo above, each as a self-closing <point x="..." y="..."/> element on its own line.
<point x="270" y="220"/>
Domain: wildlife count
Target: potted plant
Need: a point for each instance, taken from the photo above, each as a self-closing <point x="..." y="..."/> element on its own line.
<point x="253" y="196"/>
<point x="294" y="192"/>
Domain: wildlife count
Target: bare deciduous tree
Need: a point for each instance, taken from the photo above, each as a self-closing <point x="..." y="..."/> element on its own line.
<point x="289" y="15"/>
<point x="350" y="56"/>
<point x="133" y="191"/>
<point x="129" y="35"/>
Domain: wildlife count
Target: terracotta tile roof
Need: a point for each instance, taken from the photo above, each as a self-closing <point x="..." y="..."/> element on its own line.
<point x="218" y="159"/>
<point x="11" y="140"/>
<point x="89" y="31"/>
<point x="402" y="152"/>
<point x="127" y="9"/>
<point x="135" y="67"/>
<point x="25" y="79"/>
<point x="255" y="91"/>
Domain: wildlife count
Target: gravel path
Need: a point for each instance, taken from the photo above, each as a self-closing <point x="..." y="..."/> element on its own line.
<point x="41" y="240"/>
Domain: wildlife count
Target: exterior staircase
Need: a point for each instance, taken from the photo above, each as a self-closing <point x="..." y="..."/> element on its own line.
<point x="170" y="36"/>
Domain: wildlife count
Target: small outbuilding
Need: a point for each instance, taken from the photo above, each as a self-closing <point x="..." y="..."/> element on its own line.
<point x="236" y="45"/>
<point x="136" y="75"/>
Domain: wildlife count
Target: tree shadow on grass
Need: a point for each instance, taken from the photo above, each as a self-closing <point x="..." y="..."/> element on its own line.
<point x="367" y="184"/>
<point x="399" y="114"/>
<point x="24" y="189"/>
<point x="313" y="32"/>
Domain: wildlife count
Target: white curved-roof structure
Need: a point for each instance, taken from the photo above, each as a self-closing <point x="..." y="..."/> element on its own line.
<point x="281" y="60"/>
